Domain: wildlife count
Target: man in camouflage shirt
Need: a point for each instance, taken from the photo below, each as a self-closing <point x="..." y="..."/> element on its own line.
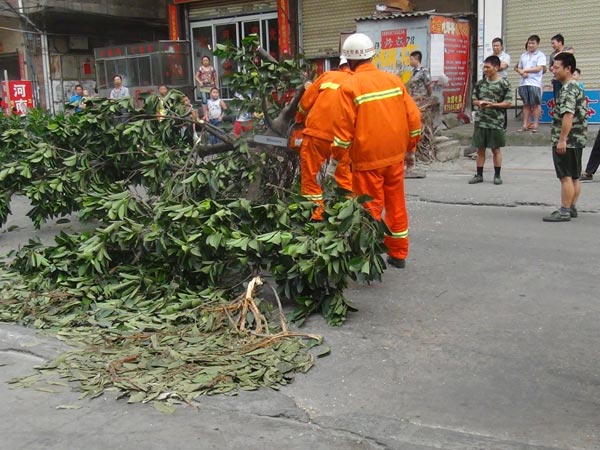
<point x="491" y="96"/>
<point x="419" y="84"/>
<point x="569" y="137"/>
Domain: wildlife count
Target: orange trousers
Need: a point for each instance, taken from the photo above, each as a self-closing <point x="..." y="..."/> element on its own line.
<point x="386" y="187"/>
<point x="313" y="153"/>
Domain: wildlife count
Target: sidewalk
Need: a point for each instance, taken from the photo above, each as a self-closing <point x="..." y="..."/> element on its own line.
<point x="514" y="137"/>
<point x="528" y="175"/>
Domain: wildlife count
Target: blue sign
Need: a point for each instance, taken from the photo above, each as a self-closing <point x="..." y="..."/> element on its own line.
<point x="592" y="98"/>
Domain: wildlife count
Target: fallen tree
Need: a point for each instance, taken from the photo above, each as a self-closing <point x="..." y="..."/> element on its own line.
<point x="162" y="287"/>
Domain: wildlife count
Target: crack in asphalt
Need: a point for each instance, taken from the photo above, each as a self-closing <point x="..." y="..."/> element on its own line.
<point x="409" y="439"/>
<point x="22" y="352"/>
<point x="492" y="204"/>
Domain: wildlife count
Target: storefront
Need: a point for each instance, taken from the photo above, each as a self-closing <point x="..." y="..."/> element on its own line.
<point x="574" y="20"/>
<point x="324" y="22"/>
<point x="144" y="66"/>
<point x="12" y="55"/>
<point x="206" y="34"/>
<point x="551" y="17"/>
<point x="212" y="22"/>
<point x="444" y="42"/>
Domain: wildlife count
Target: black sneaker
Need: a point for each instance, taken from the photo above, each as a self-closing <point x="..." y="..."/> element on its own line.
<point x="476" y="179"/>
<point x="396" y="262"/>
<point x="497" y="180"/>
<point x="586" y="177"/>
<point x="573" y="212"/>
<point x="557" y="216"/>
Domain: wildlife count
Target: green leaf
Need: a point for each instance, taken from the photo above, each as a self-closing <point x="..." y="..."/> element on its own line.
<point x="163" y="408"/>
<point x="137" y="397"/>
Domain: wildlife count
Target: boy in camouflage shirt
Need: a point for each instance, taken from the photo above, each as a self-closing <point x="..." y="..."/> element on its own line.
<point x="491" y="95"/>
<point x="569" y="137"/>
<point x="419" y="85"/>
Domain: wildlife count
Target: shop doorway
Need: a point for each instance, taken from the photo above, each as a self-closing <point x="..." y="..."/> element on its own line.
<point x="207" y="34"/>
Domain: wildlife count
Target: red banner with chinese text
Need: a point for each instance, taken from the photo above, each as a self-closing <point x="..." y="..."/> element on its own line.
<point x="18" y="96"/>
<point x="283" y="14"/>
<point x="173" y="23"/>
<point x="457" y="39"/>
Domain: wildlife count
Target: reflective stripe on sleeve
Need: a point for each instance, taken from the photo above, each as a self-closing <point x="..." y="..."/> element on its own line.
<point x="342" y="144"/>
<point x="329" y="85"/>
<point x="415" y="133"/>
<point x="374" y="96"/>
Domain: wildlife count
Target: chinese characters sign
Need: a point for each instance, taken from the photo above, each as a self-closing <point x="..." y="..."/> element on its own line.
<point x="18" y="96"/>
<point x="592" y="100"/>
<point x="393" y="39"/>
<point x="394" y="46"/>
<point x="456" y="44"/>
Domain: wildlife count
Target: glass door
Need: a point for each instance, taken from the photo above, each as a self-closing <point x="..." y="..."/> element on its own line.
<point x="202" y="45"/>
<point x="226" y="33"/>
<point x="207" y="34"/>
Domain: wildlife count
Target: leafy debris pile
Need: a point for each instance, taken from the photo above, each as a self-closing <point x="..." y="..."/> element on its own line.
<point x="158" y="296"/>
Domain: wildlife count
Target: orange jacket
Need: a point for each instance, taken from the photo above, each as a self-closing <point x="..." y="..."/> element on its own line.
<point x="377" y="121"/>
<point x="319" y="102"/>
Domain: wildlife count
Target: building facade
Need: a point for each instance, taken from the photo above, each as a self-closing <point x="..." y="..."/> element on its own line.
<point x="52" y="42"/>
<point x="576" y="21"/>
<point x="308" y="27"/>
<point x="208" y="23"/>
<point x="323" y="21"/>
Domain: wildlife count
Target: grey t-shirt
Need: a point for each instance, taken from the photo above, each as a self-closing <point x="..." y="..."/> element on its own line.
<point x="504" y="57"/>
<point x="117" y="94"/>
<point x="553" y="54"/>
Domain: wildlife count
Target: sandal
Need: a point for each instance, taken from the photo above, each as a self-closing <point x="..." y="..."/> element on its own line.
<point x="534" y="130"/>
<point x="523" y="129"/>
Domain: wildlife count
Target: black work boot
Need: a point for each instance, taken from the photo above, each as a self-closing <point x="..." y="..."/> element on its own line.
<point x="396" y="262"/>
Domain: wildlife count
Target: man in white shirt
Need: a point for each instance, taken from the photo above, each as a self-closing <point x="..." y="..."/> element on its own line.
<point x="498" y="50"/>
<point x="119" y="91"/>
<point x="531" y="68"/>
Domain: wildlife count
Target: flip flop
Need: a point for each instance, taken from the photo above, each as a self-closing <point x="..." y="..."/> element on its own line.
<point x="523" y="129"/>
<point x="534" y="130"/>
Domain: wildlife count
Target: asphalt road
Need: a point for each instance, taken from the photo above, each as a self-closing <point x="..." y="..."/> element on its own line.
<point x="488" y="340"/>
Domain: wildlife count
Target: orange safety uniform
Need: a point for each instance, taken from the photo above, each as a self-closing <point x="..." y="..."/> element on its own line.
<point x="318" y="104"/>
<point x="378" y="123"/>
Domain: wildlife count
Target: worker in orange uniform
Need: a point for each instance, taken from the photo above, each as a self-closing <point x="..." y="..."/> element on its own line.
<point x="380" y="125"/>
<point x="317" y="108"/>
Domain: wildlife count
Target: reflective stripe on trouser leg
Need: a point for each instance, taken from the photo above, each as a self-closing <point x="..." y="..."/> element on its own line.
<point x="386" y="187"/>
<point x="313" y="152"/>
<point x="396" y="216"/>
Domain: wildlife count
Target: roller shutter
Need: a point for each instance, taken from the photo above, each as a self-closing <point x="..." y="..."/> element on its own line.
<point x="322" y="23"/>
<point x="576" y="21"/>
<point x="209" y="9"/>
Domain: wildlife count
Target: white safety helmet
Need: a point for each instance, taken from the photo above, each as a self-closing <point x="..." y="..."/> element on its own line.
<point x="358" y="46"/>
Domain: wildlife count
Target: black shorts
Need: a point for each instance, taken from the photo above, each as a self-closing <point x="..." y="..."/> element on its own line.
<point x="488" y="138"/>
<point x="568" y="164"/>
